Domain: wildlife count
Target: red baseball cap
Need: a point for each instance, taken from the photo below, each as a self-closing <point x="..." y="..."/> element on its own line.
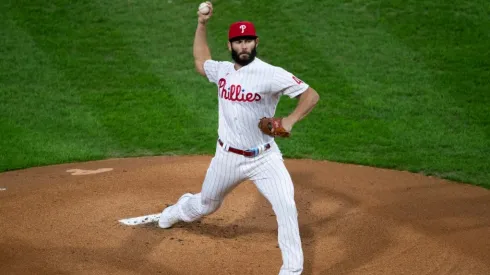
<point x="241" y="28"/>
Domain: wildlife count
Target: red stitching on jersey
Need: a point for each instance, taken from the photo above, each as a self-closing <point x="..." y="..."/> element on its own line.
<point x="297" y="80"/>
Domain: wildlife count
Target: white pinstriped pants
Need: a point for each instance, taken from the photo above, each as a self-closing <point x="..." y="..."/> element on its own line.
<point x="273" y="181"/>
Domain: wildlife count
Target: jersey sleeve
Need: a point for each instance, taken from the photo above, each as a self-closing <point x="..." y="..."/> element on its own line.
<point x="286" y="83"/>
<point x="211" y="68"/>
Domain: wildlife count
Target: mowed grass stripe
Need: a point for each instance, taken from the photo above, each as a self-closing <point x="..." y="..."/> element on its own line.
<point x="394" y="93"/>
<point x="131" y="102"/>
<point x="42" y="118"/>
<point x="397" y="116"/>
<point x="168" y="52"/>
<point x="454" y="44"/>
<point x="453" y="41"/>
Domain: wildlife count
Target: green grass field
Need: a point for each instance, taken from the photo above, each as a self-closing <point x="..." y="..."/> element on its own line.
<point x="403" y="84"/>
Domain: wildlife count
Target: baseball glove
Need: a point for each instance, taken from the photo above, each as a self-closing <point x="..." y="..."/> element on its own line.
<point x="272" y="126"/>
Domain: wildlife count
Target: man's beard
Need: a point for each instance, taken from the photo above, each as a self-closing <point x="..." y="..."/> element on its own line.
<point x="244" y="62"/>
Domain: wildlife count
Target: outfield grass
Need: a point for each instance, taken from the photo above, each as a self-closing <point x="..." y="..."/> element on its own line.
<point x="403" y="84"/>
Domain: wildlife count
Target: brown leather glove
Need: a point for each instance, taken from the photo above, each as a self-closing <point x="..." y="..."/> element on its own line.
<point x="272" y="126"/>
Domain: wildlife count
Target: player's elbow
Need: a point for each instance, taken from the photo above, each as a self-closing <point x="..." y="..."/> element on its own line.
<point x="199" y="65"/>
<point x="313" y="96"/>
<point x="316" y="97"/>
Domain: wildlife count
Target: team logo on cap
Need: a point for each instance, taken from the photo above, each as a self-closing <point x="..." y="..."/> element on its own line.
<point x="243" y="27"/>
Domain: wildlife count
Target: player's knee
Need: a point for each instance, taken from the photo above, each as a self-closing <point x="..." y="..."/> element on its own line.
<point x="209" y="206"/>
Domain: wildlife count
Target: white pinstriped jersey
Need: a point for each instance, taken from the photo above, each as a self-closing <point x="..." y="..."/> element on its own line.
<point x="248" y="94"/>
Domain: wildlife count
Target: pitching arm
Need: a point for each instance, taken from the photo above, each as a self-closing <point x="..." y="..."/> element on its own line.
<point x="200" y="48"/>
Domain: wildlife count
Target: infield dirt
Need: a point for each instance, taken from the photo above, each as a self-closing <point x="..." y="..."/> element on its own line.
<point x="63" y="219"/>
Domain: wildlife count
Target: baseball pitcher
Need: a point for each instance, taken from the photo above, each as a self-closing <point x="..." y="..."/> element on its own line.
<point x="248" y="91"/>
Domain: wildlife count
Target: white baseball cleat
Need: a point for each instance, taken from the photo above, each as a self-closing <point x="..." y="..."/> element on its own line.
<point x="141" y="220"/>
<point x="170" y="215"/>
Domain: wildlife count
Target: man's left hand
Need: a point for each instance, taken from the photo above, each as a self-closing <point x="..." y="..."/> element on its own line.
<point x="276" y="127"/>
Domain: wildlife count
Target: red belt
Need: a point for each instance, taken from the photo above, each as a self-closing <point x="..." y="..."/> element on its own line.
<point x="248" y="153"/>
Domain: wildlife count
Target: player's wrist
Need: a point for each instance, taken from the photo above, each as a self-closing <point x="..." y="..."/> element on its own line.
<point x="291" y="119"/>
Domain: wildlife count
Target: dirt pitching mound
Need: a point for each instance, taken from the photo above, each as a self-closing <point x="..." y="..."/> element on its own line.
<point x="63" y="219"/>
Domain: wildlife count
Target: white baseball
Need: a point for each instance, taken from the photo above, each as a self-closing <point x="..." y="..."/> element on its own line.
<point x="204" y="8"/>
